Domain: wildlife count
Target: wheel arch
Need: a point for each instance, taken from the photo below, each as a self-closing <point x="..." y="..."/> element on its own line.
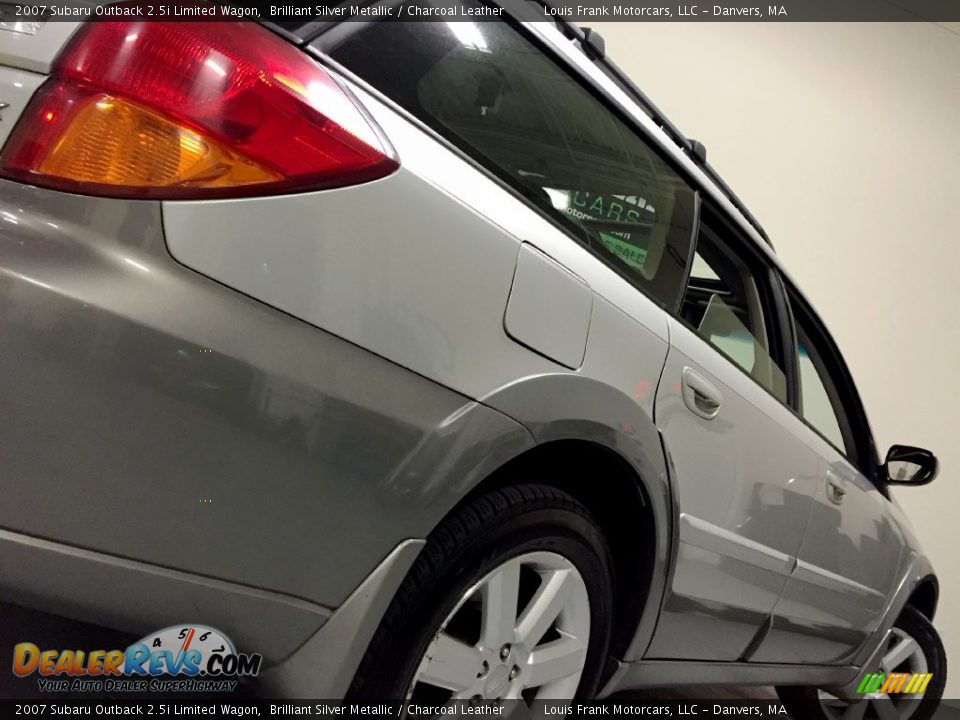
<point x="621" y="503"/>
<point x="585" y="430"/>
<point x="925" y="595"/>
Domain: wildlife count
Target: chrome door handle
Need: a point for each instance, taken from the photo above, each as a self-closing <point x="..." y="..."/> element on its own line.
<point x="835" y="490"/>
<point x="700" y="395"/>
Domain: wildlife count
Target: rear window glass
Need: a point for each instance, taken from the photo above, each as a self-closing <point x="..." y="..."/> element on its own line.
<point x="493" y="93"/>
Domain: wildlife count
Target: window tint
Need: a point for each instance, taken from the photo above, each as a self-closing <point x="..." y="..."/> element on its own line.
<point x="725" y="302"/>
<point x="493" y="93"/>
<point x="819" y="402"/>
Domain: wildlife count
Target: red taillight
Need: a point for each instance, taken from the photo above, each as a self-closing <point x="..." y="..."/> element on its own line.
<point x="191" y="110"/>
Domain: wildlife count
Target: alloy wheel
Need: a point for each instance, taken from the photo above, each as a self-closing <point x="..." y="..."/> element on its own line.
<point x="521" y="632"/>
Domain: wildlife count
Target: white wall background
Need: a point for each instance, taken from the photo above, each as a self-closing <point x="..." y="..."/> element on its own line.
<point x="844" y="141"/>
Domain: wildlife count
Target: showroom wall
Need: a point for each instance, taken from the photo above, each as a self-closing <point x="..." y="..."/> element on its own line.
<point x="844" y="140"/>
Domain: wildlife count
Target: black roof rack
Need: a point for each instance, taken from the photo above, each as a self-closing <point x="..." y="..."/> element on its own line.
<point x="593" y="46"/>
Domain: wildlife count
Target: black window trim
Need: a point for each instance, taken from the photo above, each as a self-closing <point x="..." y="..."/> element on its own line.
<point x="842" y="387"/>
<point x="777" y="322"/>
<point x="788" y="338"/>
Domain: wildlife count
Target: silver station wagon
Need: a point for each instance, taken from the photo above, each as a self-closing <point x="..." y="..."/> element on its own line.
<point x="429" y="360"/>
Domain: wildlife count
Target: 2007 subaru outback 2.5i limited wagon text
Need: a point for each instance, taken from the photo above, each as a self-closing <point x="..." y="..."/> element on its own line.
<point x="427" y="360"/>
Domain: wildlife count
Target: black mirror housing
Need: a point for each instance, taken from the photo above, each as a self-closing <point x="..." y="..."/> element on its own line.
<point x="907" y="465"/>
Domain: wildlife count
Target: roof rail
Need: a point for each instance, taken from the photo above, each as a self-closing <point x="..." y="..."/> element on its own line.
<point x="593" y="46"/>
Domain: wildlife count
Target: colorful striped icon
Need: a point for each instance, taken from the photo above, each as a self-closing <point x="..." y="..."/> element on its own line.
<point x="905" y="683"/>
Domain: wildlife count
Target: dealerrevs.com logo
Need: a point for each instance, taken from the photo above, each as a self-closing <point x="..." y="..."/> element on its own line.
<point x="181" y="658"/>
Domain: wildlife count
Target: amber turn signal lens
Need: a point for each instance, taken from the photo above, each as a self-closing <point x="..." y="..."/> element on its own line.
<point x="110" y="141"/>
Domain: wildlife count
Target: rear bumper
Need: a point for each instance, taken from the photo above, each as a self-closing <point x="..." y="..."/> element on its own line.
<point x="135" y="597"/>
<point x="309" y="651"/>
<point x="325" y="665"/>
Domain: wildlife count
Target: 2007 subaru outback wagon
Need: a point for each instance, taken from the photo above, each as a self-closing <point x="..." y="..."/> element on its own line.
<point x="428" y="360"/>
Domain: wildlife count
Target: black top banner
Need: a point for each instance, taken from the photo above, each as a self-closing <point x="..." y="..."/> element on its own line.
<point x="28" y="16"/>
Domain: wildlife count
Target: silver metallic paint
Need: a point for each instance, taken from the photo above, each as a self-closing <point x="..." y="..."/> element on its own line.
<point x="548" y="309"/>
<point x="744" y="493"/>
<point x="324" y="666"/>
<point x="35" y="52"/>
<point x="848" y="566"/>
<point x="185" y="389"/>
<point x="138" y="597"/>
<point x="153" y="413"/>
<point x="16" y="89"/>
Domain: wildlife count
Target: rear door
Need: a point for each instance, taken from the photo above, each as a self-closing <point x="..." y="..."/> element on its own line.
<point x="744" y="484"/>
<point x="847" y="565"/>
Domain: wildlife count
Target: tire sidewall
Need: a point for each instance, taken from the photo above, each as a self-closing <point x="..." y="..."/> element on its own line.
<point x="922" y="631"/>
<point x="559" y="531"/>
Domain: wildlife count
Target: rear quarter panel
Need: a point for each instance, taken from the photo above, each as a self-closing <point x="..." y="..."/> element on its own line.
<point x="152" y="414"/>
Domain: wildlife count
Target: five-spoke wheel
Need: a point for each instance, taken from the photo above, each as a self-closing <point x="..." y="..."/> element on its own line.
<point x="522" y="630"/>
<point x="510" y="599"/>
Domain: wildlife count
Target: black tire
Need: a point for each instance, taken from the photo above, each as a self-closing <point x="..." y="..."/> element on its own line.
<point x="472" y="541"/>
<point x="803" y="702"/>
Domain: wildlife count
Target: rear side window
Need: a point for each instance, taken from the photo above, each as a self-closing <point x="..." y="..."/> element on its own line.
<point x="494" y="94"/>
<point x="817" y="406"/>
<point x="727" y="304"/>
<point x="823" y="404"/>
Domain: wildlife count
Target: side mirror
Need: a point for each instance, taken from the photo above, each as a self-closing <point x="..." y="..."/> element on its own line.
<point x="906" y="465"/>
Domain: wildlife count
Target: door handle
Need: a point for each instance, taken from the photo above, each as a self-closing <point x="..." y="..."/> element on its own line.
<point x="700" y="395"/>
<point x="835" y="490"/>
